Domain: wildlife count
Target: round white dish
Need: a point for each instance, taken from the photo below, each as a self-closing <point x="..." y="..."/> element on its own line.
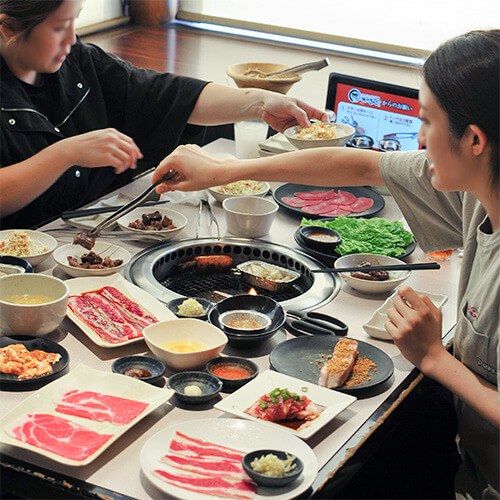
<point x="368" y="286"/>
<point x="39" y="238"/>
<point x="343" y="133"/>
<point x="262" y="188"/>
<point x="101" y="248"/>
<point x="234" y="433"/>
<point x="178" y="220"/>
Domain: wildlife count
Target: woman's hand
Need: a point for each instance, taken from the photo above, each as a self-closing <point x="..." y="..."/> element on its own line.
<point x="415" y="326"/>
<point x="282" y="112"/>
<point x="101" y="148"/>
<point x="196" y="169"/>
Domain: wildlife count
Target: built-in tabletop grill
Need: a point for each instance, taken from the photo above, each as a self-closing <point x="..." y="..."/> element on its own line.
<point x="157" y="271"/>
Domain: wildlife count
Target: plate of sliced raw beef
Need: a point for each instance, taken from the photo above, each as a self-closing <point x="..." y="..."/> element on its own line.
<point x="75" y="418"/>
<point x="318" y="202"/>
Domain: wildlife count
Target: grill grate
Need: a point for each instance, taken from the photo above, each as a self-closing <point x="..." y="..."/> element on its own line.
<point x="203" y="286"/>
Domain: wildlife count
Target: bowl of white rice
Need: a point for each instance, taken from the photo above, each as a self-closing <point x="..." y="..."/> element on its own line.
<point x="33" y="246"/>
<point x="319" y="135"/>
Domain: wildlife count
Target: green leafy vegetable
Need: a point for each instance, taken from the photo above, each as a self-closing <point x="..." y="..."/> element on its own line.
<point x="375" y="235"/>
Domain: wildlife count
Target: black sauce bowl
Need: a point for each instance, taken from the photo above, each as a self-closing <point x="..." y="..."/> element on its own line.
<point x="153" y="365"/>
<point x="230" y="384"/>
<point x="252" y="303"/>
<point x="272" y="481"/>
<point x="174" y="304"/>
<point x="320" y="246"/>
<point x="16" y="261"/>
<point x="208" y="383"/>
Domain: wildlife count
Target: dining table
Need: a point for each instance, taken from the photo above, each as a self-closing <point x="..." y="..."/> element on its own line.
<point x="116" y="473"/>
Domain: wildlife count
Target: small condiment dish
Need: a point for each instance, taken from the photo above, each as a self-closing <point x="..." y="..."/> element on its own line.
<point x="32" y="319"/>
<point x="240" y="321"/>
<point x="132" y="366"/>
<point x="184" y="384"/>
<point x="14" y="265"/>
<point x="38" y="238"/>
<point x="343" y="134"/>
<point x="249" y="216"/>
<point x="232" y="371"/>
<point x="255" y="188"/>
<point x="101" y="248"/>
<point x="272" y="481"/>
<point x="322" y="239"/>
<point x="174" y="304"/>
<point x="184" y="330"/>
<point x="368" y="286"/>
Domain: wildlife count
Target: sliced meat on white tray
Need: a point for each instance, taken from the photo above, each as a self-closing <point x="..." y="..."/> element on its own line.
<point x="100" y="407"/>
<point x="58" y="435"/>
<point x="216" y="486"/>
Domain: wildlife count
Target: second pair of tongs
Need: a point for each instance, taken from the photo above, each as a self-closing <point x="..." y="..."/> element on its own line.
<point x="108" y="221"/>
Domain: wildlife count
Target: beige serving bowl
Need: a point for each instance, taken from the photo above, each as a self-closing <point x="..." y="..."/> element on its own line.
<point x="342" y="131"/>
<point x="280" y="84"/>
<point x="182" y="330"/>
<point x="39" y="238"/>
<point x="32" y="319"/>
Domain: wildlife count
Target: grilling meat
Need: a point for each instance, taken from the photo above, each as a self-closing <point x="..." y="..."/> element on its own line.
<point x="370" y="275"/>
<point x="209" y="264"/>
<point x="84" y="239"/>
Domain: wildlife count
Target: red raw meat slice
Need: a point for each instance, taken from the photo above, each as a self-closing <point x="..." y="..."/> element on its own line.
<point x="134" y="309"/>
<point x="320" y="208"/>
<point x="344" y="198"/>
<point x="209" y="485"/>
<point x="58" y="435"/>
<point x="297" y="202"/>
<point x="189" y="446"/>
<point x="316" y="195"/>
<point x="360" y="205"/>
<point x="336" y="211"/>
<point x="100" y="407"/>
<point x="102" y="325"/>
<point x="207" y="466"/>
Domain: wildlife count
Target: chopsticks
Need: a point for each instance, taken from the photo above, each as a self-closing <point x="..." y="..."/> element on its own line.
<point x="393" y="267"/>
<point x="86" y="212"/>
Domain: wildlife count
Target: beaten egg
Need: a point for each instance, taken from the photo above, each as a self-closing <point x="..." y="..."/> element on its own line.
<point x="184" y="345"/>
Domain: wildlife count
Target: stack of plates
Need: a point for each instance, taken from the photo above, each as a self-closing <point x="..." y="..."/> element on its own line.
<point x="274" y="145"/>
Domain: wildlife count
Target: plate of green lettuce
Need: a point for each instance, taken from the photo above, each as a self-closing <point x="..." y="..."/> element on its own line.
<point x="360" y="235"/>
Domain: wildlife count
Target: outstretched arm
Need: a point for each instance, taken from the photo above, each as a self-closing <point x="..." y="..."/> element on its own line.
<point x="218" y="104"/>
<point x="318" y="166"/>
<point x="415" y="326"/>
<point x="35" y="175"/>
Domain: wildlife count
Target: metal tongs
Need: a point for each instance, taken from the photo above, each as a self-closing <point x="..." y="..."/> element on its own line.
<point x="294" y="70"/>
<point x="108" y="221"/>
<point x="205" y="204"/>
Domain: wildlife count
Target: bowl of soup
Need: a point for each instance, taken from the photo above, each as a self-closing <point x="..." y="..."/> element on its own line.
<point x="185" y="343"/>
<point x="32" y="304"/>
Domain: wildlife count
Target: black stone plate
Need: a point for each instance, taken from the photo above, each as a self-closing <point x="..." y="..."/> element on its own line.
<point x="293" y="357"/>
<point x="289" y="189"/>
<point x="32" y="343"/>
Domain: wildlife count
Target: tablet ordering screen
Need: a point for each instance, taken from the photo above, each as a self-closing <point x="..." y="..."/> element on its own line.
<point x="378" y="111"/>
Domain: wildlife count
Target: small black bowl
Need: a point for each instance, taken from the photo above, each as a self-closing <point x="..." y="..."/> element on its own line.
<point x="209" y="385"/>
<point x="232" y="361"/>
<point x="257" y="303"/>
<point x="174" y="304"/>
<point x="334" y="238"/>
<point x="270" y="481"/>
<point x="152" y="365"/>
<point x="9" y="260"/>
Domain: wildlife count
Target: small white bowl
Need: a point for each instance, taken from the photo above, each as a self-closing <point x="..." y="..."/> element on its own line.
<point x="32" y="319"/>
<point x="343" y="133"/>
<point x="250" y="216"/>
<point x="36" y="236"/>
<point x="178" y="219"/>
<point x="101" y="248"/>
<point x="375" y="325"/>
<point x="184" y="329"/>
<point x="261" y="189"/>
<point x="368" y="286"/>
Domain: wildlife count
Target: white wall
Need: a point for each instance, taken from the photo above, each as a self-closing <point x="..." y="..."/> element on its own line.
<point x="97" y="11"/>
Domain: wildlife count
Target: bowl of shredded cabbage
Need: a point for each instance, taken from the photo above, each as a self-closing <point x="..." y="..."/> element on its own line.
<point x="239" y="188"/>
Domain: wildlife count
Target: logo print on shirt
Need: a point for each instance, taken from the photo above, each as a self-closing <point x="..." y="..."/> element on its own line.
<point x="472" y="312"/>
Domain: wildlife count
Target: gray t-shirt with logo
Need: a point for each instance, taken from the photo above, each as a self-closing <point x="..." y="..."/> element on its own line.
<point x="442" y="221"/>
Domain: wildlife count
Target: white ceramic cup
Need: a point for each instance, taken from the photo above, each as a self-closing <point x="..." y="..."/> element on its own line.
<point x="248" y="135"/>
<point x="249" y="216"/>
